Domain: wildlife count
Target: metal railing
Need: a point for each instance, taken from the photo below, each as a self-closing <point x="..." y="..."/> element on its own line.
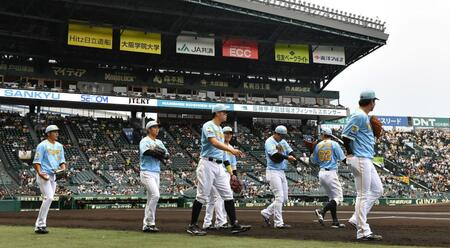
<point x="325" y="12"/>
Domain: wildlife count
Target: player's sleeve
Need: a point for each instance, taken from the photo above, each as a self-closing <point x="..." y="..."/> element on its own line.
<point x="315" y="156"/>
<point x="288" y="147"/>
<point x="143" y="146"/>
<point x="353" y="126"/>
<point x="338" y="153"/>
<point x="63" y="157"/>
<point x="208" y="130"/>
<point x="233" y="162"/>
<point x="40" y="149"/>
<point x="270" y="147"/>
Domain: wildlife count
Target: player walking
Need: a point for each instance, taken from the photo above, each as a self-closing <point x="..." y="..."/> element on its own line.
<point x="359" y="142"/>
<point x="210" y="172"/>
<point x="328" y="154"/>
<point x="151" y="152"/>
<point x="278" y="153"/>
<point x="216" y="204"/>
<point x="48" y="159"/>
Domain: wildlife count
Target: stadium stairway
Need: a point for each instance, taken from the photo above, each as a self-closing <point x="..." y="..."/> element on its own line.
<point x="6" y="178"/>
<point x="72" y="136"/>
<point x="32" y="131"/>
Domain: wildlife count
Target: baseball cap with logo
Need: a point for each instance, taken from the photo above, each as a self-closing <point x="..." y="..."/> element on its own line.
<point x="227" y="129"/>
<point x="368" y="95"/>
<point x="218" y="108"/>
<point x="51" y="128"/>
<point x="326" y="131"/>
<point x="281" y="130"/>
<point x="151" y="124"/>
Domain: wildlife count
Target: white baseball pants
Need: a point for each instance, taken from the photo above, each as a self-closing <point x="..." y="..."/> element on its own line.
<point x="278" y="184"/>
<point x="368" y="190"/>
<point x="48" y="188"/>
<point x="329" y="180"/>
<point x="150" y="180"/>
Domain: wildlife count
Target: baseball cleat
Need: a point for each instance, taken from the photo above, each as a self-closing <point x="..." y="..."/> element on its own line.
<point x="224" y="226"/>
<point x="283" y="226"/>
<point x="319" y="215"/>
<point x="41" y="230"/>
<point x="371" y="237"/>
<point x="266" y="220"/>
<point x="150" y="229"/>
<point x="210" y="228"/>
<point x="353" y="225"/>
<point x="237" y="228"/>
<point x="337" y="225"/>
<point x="195" y="230"/>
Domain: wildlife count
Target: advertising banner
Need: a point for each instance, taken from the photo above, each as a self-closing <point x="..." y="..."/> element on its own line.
<point x="332" y="55"/>
<point x="240" y="49"/>
<point x="430" y="122"/>
<point x="394" y="121"/>
<point x="289" y="110"/>
<point x="195" y="45"/>
<point x="89" y="36"/>
<point x="189" y="105"/>
<point x="292" y="53"/>
<point x="141" y="42"/>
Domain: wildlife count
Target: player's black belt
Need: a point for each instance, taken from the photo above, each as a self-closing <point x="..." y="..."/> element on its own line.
<point x="215" y="160"/>
<point x="326" y="169"/>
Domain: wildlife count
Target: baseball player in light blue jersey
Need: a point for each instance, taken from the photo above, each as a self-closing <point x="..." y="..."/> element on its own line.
<point x="49" y="157"/>
<point x="151" y="152"/>
<point x="210" y="172"/>
<point x="359" y="142"/>
<point x="278" y="153"/>
<point x="216" y="204"/>
<point x="328" y="154"/>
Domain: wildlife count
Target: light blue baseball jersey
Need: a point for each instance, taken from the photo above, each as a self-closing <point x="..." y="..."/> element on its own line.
<point x="49" y="156"/>
<point x="231" y="158"/>
<point x="328" y="154"/>
<point x="211" y="130"/>
<point x="359" y="131"/>
<point x="149" y="163"/>
<point x="272" y="147"/>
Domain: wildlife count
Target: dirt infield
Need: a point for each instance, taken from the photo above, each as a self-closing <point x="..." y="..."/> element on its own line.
<point x="408" y="225"/>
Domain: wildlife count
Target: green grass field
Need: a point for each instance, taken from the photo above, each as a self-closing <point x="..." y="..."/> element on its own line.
<point x="23" y="236"/>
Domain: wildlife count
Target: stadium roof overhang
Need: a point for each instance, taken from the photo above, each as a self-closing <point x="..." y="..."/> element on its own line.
<point x="38" y="29"/>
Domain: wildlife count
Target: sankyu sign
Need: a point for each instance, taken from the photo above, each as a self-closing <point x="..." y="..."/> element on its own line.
<point x="30" y="94"/>
<point x="240" y="49"/>
<point x="332" y="55"/>
<point x="430" y="122"/>
<point x="56" y="96"/>
<point x="195" y="45"/>
<point x="289" y="110"/>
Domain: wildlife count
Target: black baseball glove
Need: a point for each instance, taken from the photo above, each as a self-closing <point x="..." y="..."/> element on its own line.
<point x="156" y="152"/>
<point x="60" y="174"/>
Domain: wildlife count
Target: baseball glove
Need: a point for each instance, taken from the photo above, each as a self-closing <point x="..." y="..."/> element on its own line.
<point x="235" y="184"/>
<point x="157" y="152"/>
<point x="60" y="173"/>
<point x="377" y="126"/>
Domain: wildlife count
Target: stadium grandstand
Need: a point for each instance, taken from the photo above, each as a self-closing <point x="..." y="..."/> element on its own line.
<point x="100" y="70"/>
